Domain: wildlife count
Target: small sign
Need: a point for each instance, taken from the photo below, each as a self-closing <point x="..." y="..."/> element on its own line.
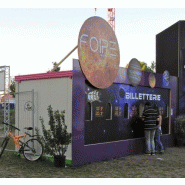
<point x="2" y="80"/>
<point x="28" y="106"/>
<point x="118" y="111"/>
<point x="99" y="111"/>
<point x="93" y="96"/>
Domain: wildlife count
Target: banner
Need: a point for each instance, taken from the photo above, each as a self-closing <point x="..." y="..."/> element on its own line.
<point x="2" y="80"/>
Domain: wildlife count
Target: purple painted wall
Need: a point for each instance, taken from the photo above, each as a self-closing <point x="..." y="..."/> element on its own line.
<point x="86" y="154"/>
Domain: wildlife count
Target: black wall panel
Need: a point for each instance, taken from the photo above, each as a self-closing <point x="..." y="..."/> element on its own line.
<point x="167" y="50"/>
<point x="170" y="55"/>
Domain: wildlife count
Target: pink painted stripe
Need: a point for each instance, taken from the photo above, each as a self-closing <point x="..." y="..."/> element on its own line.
<point x="60" y="74"/>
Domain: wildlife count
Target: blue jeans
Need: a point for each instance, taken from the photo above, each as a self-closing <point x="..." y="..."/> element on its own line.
<point x="158" y="145"/>
<point x="149" y="141"/>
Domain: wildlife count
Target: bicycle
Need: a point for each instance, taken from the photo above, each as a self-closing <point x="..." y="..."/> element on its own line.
<point x="32" y="149"/>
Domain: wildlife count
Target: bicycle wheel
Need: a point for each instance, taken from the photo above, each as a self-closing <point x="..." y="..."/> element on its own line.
<point x="3" y="145"/>
<point x="32" y="150"/>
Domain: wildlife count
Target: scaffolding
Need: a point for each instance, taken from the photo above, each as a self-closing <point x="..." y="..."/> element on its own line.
<point x="5" y="88"/>
<point x="111" y="17"/>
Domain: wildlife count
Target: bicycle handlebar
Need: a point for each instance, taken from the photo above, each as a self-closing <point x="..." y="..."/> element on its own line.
<point x="11" y="125"/>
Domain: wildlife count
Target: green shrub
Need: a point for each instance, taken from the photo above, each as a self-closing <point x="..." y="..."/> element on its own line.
<point x="179" y="126"/>
<point x="179" y="130"/>
<point x="56" y="139"/>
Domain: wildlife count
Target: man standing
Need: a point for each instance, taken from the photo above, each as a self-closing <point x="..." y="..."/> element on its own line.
<point x="150" y="117"/>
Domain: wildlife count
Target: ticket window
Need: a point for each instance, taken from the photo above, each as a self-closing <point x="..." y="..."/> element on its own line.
<point x="88" y="111"/>
<point x="126" y="111"/>
<point x="108" y="113"/>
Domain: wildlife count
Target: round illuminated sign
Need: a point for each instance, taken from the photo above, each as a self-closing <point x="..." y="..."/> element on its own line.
<point x="134" y="72"/>
<point x="152" y="80"/>
<point x="98" y="52"/>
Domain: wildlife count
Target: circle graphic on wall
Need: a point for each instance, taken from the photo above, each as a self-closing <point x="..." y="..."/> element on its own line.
<point x="98" y="52"/>
<point x="152" y="80"/>
<point x="121" y="93"/>
<point x="28" y="106"/>
<point x="134" y="72"/>
<point x="166" y="78"/>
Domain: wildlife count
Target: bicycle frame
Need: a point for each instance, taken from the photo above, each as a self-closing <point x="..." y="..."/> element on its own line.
<point x="17" y="138"/>
<point x="26" y="147"/>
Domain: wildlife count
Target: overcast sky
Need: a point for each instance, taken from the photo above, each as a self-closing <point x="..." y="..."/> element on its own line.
<point x="33" y="38"/>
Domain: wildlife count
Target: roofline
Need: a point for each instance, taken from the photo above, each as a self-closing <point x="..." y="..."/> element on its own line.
<point x="170" y="26"/>
<point x="49" y="75"/>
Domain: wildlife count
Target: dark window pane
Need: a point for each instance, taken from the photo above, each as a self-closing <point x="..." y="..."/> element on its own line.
<point x="108" y="112"/>
<point x="88" y="111"/>
<point x="126" y="110"/>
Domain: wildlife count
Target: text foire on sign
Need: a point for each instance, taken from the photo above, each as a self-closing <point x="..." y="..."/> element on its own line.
<point x="98" y="52"/>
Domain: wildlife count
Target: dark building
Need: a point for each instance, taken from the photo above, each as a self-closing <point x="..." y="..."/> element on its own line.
<point x="170" y="55"/>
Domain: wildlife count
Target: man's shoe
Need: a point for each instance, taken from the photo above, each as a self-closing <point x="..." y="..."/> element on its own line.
<point x="147" y="153"/>
<point x="153" y="153"/>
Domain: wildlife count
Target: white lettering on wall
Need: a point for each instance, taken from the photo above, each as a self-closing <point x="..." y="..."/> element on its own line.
<point x="101" y="45"/>
<point x="94" y="50"/>
<point x="104" y="46"/>
<point x="112" y="49"/>
<point x="82" y="41"/>
<point x="142" y="96"/>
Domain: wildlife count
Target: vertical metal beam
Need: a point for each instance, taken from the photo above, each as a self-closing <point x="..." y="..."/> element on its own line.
<point x="18" y="108"/>
<point x="7" y="100"/>
<point x="111" y="17"/>
<point x="6" y="93"/>
<point x="170" y="108"/>
<point x="33" y="111"/>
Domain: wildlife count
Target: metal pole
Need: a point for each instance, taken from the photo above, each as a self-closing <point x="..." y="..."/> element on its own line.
<point x="64" y="58"/>
<point x="33" y="111"/>
<point x="18" y="108"/>
<point x="6" y="98"/>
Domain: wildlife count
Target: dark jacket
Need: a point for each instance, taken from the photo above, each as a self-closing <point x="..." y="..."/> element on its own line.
<point x="137" y="126"/>
<point x="150" y="116"/>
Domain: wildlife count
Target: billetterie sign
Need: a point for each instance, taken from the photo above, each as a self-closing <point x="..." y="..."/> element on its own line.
<point x="142" y="96"/>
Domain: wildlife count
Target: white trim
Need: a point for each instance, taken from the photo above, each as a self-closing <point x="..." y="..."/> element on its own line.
<point x="112" y="141"/>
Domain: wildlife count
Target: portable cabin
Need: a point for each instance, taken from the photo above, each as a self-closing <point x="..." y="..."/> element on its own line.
<point x="34" y="93"/>
<point x="97" y="118"/>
